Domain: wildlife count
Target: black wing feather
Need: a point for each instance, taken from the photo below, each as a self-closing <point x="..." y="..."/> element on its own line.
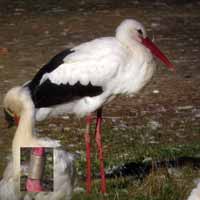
<point x="55" y="62"/>
<point x="50" y="94"/>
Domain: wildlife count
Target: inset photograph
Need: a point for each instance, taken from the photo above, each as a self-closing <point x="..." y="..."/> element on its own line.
<point x="36" y="169"/>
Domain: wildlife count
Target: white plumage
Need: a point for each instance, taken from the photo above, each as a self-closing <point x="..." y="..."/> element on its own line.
<point x="119" y="65"/>
<point x="195" y="194"/>
<point x="89" y="63"/>
<point x="18" y="101"/>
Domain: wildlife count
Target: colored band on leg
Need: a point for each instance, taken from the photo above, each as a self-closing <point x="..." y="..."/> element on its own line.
<point x="36" y="163"/>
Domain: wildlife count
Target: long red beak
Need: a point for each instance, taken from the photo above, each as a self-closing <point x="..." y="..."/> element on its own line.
<point x="156" y="51"/>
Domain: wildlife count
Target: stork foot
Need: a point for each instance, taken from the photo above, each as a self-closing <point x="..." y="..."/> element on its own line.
<point x="33" y="185"/>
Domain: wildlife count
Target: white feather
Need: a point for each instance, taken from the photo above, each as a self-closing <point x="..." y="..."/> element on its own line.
<point x="195" y="194"/>
<point x="96" y="61"/>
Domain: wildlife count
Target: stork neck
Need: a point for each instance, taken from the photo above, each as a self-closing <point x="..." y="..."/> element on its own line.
<point x="23" y="137"/>
<point x="137" y="71"/>
<point x="126" y="38"/>
<point x="25" y="126"/>
<point x="137" y="50"/>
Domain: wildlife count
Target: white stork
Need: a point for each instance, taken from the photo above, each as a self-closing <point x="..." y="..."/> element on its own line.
<point x="19" y="104"/>
<point x="82" y="79"/>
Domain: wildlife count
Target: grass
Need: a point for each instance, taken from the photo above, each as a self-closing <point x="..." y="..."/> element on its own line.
<point x="160" y="184"/>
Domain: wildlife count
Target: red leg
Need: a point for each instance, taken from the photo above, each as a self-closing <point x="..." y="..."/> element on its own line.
<point x="33" y="183"/>
<point x="87" y="142"/>
<point x="100" y="150"/>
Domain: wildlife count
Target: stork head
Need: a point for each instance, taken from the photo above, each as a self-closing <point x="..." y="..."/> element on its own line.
<point x="15" y="101"/>
<point x="132" y="30"/>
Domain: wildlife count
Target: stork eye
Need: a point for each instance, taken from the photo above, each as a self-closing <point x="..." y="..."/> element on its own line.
<point x="140" y="31"/>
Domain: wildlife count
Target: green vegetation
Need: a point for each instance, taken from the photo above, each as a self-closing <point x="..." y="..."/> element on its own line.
<point x="160" y="184"/>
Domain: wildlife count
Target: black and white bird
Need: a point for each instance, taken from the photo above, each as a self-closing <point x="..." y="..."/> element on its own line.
<point x="82" y="79"/>
<point x="19" y="104"/>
